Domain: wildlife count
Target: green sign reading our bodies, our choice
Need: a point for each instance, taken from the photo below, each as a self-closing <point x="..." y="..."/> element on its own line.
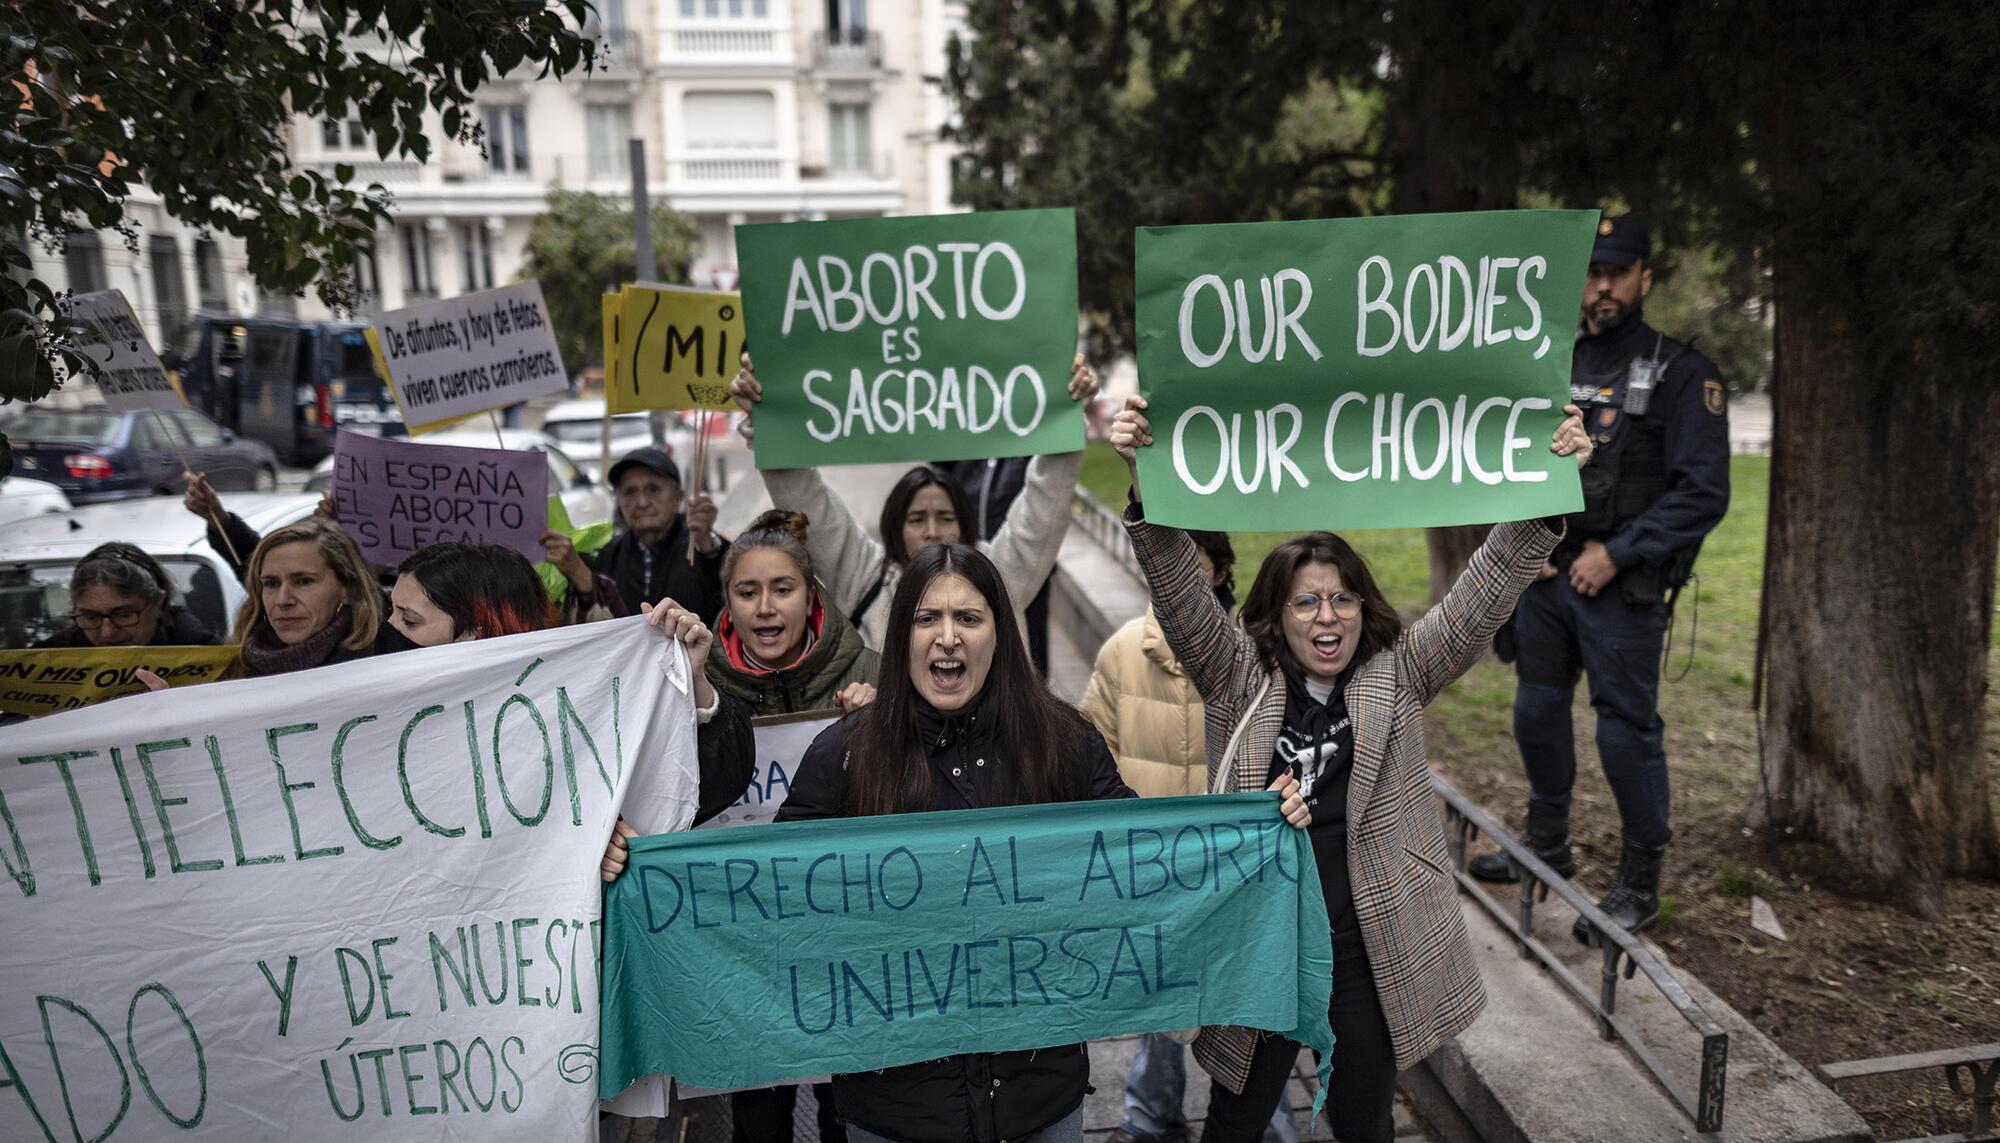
<point x="744" y="956"/>
<point x="1359" y="373"/>
<point x="928" y="338"/>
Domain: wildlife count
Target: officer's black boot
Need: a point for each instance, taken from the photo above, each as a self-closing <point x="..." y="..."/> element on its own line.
<point x="1547" y="835"/>
<point x="1635" y="901"/>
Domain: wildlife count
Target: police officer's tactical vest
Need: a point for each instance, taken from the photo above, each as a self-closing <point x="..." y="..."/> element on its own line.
<point x="1628" y="472"/>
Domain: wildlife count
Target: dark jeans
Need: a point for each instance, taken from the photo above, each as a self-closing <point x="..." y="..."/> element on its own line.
<point x="1361" y="1096"/>
<point x="1562" y="633"/>
<point x="764" y="1115"/>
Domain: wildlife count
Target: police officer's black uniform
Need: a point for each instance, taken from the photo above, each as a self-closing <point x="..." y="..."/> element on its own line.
<point x="1658" y="482"/>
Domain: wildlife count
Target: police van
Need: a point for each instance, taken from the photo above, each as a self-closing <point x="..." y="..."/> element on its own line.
<point x="284" y="381"/>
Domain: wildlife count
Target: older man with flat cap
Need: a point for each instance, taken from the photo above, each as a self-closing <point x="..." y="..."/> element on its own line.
<point x="647" y="560"/>
<point x="1657" y="484"/>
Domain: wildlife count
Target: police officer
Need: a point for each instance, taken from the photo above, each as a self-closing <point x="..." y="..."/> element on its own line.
<point x="1658" y="483"/>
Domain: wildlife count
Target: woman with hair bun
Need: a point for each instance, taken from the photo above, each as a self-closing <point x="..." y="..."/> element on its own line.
<point x="785" y="648"/>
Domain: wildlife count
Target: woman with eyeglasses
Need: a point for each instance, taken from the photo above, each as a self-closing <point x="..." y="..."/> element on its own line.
<point x="1323" y="688"/>
<point x="121" y="597"/>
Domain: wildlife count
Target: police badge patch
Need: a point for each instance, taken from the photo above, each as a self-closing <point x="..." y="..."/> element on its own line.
<point x="1607" y="417"/>
<point x="1711" y="395"/>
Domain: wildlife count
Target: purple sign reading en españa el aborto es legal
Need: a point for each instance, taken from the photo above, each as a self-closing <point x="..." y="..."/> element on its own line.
<point x="394" y="496"/>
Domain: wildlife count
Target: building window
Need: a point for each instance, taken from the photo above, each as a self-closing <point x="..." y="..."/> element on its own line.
<point x="609" y="126"/>
<point x="746" y="120"/>
<point x="208" y="275"/>
<point x="847" y="138"/>
<point x="725" y="9"/>
<point x="507" y="139"/>
<point x="330" y="132"/>
<point x="476" y="249"/>
<point x="417" y="260"/>
<point x="84" y="258"/>
<point x="163" y="254"/>
<point x="847" y="20"/>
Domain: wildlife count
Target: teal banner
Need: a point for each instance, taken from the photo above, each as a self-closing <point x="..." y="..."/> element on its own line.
<point x="1359" y="372"/>
<point x="746" y="956"/>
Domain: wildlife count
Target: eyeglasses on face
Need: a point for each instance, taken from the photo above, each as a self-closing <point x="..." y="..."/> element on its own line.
<point x="1306" y="608"/>
<point x="117" y="617"/>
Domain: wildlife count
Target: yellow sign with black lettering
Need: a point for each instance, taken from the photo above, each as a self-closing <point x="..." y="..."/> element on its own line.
<point x="676" y="348"/>
<point x="64" y="678"/>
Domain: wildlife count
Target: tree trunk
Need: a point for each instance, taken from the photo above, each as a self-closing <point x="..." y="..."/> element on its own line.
<point x="1451" y="148"/>
<point x="1878" y="587"/>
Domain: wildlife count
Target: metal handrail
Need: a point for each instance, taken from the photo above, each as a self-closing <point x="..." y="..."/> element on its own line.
<point x="1620" y="948"/>
<point x="1105" y="528"/>
<point x="1980" y="1064"/>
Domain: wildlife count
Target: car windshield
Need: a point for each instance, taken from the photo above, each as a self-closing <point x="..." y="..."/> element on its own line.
<point x="587" y="432"/>
<point x="356" y="363"/>
<point x="70" y="428"/>
<point x="34" y="598"/>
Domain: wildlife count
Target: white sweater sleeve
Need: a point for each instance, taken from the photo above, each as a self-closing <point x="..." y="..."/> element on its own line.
<point x="847" y="559"/>
<point x="1024" y="550"/>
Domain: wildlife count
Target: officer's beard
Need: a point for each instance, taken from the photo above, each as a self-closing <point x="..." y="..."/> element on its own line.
<point x="1599" y="323"/>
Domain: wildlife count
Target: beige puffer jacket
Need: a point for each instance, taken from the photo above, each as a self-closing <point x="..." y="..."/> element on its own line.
<point x="1149" y="712"/>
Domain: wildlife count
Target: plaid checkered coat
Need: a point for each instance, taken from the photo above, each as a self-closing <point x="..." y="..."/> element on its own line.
<point x="1404" y="895"/>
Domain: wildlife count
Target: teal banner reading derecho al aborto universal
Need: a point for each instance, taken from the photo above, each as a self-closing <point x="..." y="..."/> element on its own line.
<point x="1359" y="373"/>
<point x="746" y="956"/>
<point x="946" y="337"/>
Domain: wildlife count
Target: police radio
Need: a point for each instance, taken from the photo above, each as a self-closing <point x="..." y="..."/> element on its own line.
<point x="1640" y="379"/>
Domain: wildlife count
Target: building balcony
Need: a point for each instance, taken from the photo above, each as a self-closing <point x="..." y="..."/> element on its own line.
<point x="621" y="54"/>
<point x="701" y="47"/>
<point x="728" y="169"/>
<point x="366" y="170"/>
<point x="879" y="168"/>
<point x="846" y="51"/>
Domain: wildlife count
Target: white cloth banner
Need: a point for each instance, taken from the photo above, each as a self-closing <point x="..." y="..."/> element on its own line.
<point x="358" y="903"/>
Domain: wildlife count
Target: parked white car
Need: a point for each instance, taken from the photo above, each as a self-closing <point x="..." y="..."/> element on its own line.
<point x="578" y="426"/>
<point x="586" y="500"/>
<point x="21" y="497"/>
<point x="38" y="554"/>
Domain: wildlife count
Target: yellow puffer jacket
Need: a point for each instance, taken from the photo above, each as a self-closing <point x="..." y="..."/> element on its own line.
<point x="1149" y="712"/>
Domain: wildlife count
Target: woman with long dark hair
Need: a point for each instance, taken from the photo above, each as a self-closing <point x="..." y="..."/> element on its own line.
<point x="960" y="721"/>
<point x="926" y="506"/>
<point x="1323" y="682"/>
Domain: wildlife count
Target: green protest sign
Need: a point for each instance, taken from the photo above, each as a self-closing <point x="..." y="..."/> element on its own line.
<point x="933" y="338"/>
<point x="1359" y="373"/>
<point x="865" y="943"/>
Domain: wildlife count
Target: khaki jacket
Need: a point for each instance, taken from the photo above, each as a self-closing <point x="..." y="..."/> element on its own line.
<point x="1404" y="894"/>
<point x="1148" y="711"/>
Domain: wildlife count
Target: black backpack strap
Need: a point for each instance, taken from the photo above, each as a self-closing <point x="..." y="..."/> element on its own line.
<point x="867" y="600"/>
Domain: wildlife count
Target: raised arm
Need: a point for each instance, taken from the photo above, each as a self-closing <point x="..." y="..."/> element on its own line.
<point x="1451" y="636"/>
<point x="1024" y="550"/>
<point x="1193" y="620"/>
<point x="846" y="557"/>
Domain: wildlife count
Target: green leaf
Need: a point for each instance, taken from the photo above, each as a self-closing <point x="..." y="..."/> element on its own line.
<point x="343" y="172"/>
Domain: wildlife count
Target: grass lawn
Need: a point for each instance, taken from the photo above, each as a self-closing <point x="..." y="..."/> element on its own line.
<point x="1857" y="978"/>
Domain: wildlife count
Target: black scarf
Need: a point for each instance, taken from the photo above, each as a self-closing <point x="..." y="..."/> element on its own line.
<point x="1317" y="743"/>
<point x="264" y="655"/>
